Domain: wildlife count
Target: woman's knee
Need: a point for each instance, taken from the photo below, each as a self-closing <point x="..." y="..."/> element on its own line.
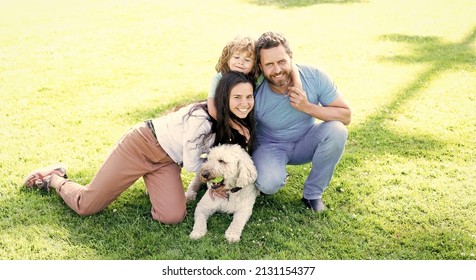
<point x="171" y="218"/>
<point x="88" y="209"/>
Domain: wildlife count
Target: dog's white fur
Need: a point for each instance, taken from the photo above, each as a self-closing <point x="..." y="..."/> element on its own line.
<point x="238" y="171"/>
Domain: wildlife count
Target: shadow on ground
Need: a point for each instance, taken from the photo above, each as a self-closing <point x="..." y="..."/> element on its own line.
<point x="440" y="56"/>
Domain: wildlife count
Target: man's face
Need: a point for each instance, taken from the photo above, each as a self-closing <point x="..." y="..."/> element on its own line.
<point x="275" y="64"/>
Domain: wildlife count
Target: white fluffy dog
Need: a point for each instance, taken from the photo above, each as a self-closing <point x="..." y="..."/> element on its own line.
<point x="229" y="167"/>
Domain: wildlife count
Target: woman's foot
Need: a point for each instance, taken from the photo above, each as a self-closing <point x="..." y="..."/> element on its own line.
<point x="40" y="178"/>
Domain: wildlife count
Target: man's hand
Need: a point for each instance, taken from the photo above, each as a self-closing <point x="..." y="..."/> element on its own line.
<point x="298" y="99"/>
<point x="337" y="110"/>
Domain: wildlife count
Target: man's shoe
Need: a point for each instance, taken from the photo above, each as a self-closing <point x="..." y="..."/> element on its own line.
<point x="40" y="178"/>
<point x="314" y="204"/>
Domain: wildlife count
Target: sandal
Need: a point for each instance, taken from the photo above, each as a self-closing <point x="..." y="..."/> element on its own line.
<point x="41" y="178"/>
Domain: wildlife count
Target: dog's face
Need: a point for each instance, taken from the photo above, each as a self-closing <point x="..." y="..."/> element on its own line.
<point x="228" y="166"/>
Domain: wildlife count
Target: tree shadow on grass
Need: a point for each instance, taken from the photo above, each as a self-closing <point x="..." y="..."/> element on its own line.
<point x="440" y="57"/>
<point x="373" y="139"/>
<point x="300" y="3"/>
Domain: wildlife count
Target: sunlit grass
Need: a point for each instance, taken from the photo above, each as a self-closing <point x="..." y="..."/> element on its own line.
<point x="74" y="76"/>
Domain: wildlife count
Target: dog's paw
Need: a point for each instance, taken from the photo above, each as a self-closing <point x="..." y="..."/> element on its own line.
<point x="232" y="237"/>
<point x="190" y="195"/>
<point x="197" y="234"/>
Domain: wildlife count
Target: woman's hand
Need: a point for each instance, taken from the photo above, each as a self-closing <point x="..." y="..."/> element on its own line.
<point x="220" y="192"/>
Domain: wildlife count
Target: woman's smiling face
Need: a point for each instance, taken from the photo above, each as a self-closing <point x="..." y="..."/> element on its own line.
<point x="242" y="100"/>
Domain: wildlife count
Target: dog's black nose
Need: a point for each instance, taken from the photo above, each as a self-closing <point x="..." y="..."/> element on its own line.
<point x="205" y="174"/>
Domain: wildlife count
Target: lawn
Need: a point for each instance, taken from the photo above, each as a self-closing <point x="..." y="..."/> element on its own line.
<point x="75" y="75"/>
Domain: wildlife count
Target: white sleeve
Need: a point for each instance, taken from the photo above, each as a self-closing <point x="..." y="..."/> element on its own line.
<point x="194" y="129"/>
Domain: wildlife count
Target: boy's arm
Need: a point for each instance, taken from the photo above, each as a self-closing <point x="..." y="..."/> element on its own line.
<point x="212" y="110"/>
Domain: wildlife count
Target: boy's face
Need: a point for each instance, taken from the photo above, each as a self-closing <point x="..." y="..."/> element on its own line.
<point x="242" y="62"/>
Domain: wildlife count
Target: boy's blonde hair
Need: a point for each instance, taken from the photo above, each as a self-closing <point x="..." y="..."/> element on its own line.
<point x="239" y="44"/>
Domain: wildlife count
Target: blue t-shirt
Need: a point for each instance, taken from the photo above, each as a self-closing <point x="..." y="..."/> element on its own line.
<point x="277" y="120"/>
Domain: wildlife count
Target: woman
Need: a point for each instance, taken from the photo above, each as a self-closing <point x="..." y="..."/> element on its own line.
<point x="156" y="150"/>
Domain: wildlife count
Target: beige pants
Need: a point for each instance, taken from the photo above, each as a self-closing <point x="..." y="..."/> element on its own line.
<point x="137" y="154"/>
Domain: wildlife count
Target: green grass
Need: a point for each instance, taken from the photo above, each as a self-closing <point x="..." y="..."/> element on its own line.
<point x="75" y="75"/>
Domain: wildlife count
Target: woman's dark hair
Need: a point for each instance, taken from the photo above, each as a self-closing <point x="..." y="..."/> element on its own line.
<point x="224" y="132"/>
<point x="202" y="139"/>
<point x="221" y="127"/>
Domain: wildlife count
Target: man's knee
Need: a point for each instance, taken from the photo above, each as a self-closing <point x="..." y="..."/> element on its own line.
<point x="337" y="133"/>
<point x="270" y="184"/>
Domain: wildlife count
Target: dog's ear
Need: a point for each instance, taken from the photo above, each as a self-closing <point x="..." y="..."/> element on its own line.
<point x="247" y="171"/>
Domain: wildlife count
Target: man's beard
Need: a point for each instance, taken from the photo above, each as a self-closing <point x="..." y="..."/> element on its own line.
<point x="281" y="82"/>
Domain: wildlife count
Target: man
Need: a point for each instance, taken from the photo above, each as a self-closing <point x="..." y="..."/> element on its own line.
<point x="287" y="130"/>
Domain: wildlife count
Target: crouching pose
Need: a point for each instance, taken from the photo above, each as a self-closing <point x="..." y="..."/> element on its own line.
<point x="296" y="125"/>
